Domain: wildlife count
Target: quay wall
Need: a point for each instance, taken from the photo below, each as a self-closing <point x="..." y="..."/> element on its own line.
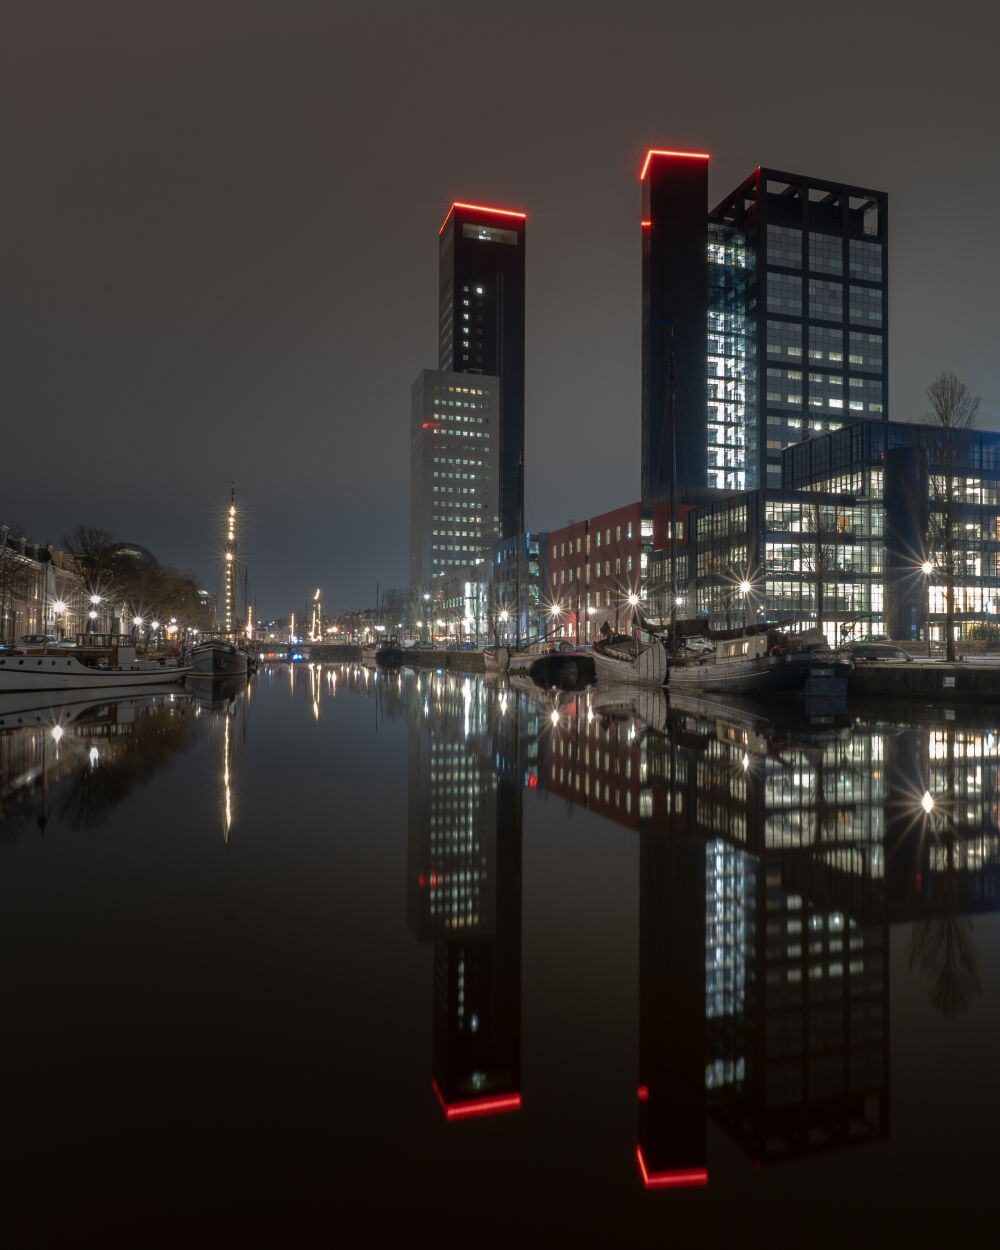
<point x="455" y="661"/>
<point x="965" y="681"/>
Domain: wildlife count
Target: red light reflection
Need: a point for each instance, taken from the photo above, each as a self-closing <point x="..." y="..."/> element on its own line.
<point x="679" y="1178"/>
<point x="477" y="1106"/>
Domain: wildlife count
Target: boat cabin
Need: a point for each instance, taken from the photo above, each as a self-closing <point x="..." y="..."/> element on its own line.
<point x="105" y="650"/>
<point x="751" y="648"/>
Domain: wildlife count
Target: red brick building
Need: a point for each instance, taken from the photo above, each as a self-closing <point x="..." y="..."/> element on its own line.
<point x="593" y="568"/>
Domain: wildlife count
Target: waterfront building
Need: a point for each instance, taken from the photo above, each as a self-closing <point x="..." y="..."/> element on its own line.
<point x="773" y="307"/>
<point x="481" y="325"/>
<point x="459" y="607"/>
<point x="519" y="574"/>
<point x="914" y="475"/>
<point x="852" y="541"/>
<point x="41" y="590"/>
<point x="454" y="472"/>
<point x="595" y="567"/>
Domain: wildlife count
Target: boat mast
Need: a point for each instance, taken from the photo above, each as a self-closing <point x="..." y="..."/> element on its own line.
<point x="673" y="494"/>
<point x="230" y="571"/>
<point x="517" y="556"/>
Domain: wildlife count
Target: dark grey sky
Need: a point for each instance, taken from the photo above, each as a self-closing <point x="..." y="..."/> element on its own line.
<point x="219" y="240"/>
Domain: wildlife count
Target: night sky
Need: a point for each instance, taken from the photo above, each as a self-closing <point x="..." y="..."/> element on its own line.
<point x="219" y="241"/>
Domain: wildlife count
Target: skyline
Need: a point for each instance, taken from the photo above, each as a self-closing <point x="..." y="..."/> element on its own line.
<point x="214" y="237"/>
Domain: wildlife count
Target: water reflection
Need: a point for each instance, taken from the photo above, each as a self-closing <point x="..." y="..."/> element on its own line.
<point x="776" y="848"/>
<point x="468" y="763"/>
<point x="75" y="760"/>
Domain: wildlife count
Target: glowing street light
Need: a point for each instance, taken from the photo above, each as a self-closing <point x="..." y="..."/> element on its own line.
<point x="927" y="568"/>
<point x="927" y="802"/>
<point x="744" y="589"/>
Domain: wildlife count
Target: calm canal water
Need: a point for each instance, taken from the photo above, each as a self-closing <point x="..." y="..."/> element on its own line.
<point x="416" y="960"/>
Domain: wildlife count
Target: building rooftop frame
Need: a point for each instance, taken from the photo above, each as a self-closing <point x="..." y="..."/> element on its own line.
<point x="482" y="208"/>
<point x="728" y="208"/>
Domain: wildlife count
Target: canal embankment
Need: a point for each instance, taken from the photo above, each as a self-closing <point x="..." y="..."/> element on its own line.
<point x="971" y="681"/>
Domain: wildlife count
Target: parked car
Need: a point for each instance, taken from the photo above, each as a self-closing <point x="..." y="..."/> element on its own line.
<point x="698" y="644"/>
<point x="32" y="641"/>
<point x="65" y="644"/>
<point x="877" y="651"/>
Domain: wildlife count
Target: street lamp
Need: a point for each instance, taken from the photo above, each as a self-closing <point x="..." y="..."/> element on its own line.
<point x="745" y="589"/>
<point x="927" y="568"/>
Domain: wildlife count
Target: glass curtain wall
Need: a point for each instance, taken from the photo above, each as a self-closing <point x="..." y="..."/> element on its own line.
<point x="732" y="377"/>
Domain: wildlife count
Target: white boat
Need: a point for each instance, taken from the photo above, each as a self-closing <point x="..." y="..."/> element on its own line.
<point x="218" y="657"/>
<point x="622" y="659"/>
<point x="112" y="667"/>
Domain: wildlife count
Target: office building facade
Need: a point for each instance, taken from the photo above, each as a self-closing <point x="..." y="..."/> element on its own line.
<point x="454" y="472"/>
<point x="481" y="325"/>
<point x="781" y="293"/>
<point x="853" y="539"/>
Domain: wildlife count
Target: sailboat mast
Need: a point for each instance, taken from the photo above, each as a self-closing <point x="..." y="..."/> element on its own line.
<point x="520" y="532"/>
<point x="230" y="586"/>
<point x="673" y="493"/>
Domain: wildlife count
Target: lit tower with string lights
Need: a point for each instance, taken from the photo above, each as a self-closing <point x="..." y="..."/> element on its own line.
<point x="230" y="569"/>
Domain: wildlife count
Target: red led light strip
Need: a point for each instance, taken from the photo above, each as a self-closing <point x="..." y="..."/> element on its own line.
<point x="695" y="156"/>
<point x="482" y="208"/>
<point x="681" y="1178"/>
<point x="477" y="1106"/>
<point x="432" y="425"/>
<point x="645" y="223"/>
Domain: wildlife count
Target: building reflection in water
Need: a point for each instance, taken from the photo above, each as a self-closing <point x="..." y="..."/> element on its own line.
<point x="764" y="843"/>
<point x="472" y="750"/>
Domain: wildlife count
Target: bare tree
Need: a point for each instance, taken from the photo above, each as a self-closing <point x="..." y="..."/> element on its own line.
<point x="818" y="553"/>
<point x="87" y="544"/>
<point x="954" y="409"/>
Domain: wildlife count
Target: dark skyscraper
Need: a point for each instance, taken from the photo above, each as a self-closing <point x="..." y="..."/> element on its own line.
<point x="778" y="296"/>
<point x="674" y="292"/>
<point x="481" y="323"/>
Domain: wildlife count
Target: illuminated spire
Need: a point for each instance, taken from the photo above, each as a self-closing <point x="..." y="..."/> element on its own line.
<point x="231" y="565"/>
